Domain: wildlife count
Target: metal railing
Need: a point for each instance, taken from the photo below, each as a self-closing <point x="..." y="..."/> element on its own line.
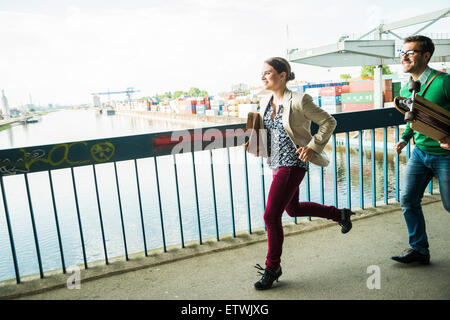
<point x="93" y="153"/>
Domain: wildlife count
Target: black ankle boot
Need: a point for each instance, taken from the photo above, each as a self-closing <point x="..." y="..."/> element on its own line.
<point x="345" y="222"/>
<point x="268" y="277"/>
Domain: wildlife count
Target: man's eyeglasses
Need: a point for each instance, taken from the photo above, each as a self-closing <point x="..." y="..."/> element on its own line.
<point x="407" y="53"/>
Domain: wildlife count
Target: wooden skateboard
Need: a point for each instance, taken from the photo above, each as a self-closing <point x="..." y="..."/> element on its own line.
<point x="425" y="116"/>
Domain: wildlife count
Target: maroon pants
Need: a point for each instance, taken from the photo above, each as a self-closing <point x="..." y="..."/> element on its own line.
<point x="284" y="195"/>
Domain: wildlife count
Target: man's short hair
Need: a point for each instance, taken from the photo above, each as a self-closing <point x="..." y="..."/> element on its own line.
<point x="425" y="43"/>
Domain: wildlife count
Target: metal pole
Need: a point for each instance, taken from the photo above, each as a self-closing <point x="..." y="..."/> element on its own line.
<point x="196" y="200"/>
<point x="230" y="184"/>
<point x="361" y="170"/>
<point x="160" y="206"/>
<point x="100" y="215"/>
<point x="121" y="213"/>
<point x="213" y="186"/>
<point x="58" y="231"/>
<point x="140" y="207"/>
<point x="79" y="218"/>
<point x="178" y="199"/>
<point x="374" y="189"/>
<point x="349" y="182"/>
<point x="10" y="232"/>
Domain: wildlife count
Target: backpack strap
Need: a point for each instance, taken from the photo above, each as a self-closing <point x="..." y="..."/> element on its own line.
<point x="429" y="82"/>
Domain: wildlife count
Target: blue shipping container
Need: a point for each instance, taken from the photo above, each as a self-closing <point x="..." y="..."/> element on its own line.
<point x="317" y="100"/>
<point x="331" y="99"/>
<point x="320" y="85"/>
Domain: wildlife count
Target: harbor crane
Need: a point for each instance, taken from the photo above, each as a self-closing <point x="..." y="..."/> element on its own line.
<point x="129" y="91"/>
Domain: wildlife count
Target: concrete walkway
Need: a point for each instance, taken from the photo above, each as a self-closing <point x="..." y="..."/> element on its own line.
<point x="318" y="264"/>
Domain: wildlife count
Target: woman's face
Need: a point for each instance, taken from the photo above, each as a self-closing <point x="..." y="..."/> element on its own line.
<point x="272" y="80"/>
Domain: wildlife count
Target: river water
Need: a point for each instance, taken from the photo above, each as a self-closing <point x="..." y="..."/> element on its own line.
<point x="76" y="125"/>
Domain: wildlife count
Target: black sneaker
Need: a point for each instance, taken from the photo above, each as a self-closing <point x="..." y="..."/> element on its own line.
<point x="410" y="255"/>
<point x="345" y="222"/>
<point x="268" y="277"/>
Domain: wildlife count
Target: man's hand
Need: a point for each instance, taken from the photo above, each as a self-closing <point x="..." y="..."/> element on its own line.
<point x="305" y="153"/>
<point x="445" y="143"/>
<point x="398" y="147"/>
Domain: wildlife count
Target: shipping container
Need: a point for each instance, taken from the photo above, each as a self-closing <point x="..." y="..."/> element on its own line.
<point x="347" y="107"/>
<point x="201" y="107"/>
<point x="244" y="109"/>
<point x="296" y="88"/>
<point x="388" y="96"/>
<point x="217" y="107"/>
<point x="396" y="86"/>
<point x="337" y="108"/>
<point x="393" y="76"/>
<point x="326" y="100"/>
<point x="368" y="85"/>
<point x="364" y="97"/>
<point x="317" y="100"/>
<point x="345" y="89"/>
<point x="357" y="97"/>
<point x="330" y="91"/>
<point x="212" y="112"/>
<point x="325" y="84"/>
<point x="313" y="92"/>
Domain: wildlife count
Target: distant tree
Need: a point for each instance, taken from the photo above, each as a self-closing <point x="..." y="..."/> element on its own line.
<point x="163" y="96"/>
<point x="194" y="92"/>
<point x="345" y="76"/>
<point x="367" y="71"/>
<point x="178" y="94"/>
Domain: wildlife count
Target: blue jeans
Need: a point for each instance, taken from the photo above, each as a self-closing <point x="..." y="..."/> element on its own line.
<point x="419" y="171"/>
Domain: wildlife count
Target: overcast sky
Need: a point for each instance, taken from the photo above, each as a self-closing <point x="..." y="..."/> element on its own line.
<point x="61" y="51"/>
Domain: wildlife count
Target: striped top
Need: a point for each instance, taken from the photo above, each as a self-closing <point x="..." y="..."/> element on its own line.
<point x="281" y="148"/>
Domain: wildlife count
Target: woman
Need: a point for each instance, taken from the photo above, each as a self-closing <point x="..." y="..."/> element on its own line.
<point x="287" y="118"/>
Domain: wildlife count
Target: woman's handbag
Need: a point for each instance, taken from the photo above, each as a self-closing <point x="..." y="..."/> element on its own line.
<point x="257" y="142"/>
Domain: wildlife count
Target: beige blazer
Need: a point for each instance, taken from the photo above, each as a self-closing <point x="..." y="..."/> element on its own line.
<point x="298" y="112"/>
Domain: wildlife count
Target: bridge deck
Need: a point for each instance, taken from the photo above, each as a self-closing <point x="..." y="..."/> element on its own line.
<point x="322" y="264"/>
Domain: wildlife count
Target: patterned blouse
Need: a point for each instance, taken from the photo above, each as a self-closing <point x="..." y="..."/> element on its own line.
<point x="281" y="149"/>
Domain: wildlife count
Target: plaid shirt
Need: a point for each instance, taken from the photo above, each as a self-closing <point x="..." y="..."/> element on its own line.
<point x="281" y="148"/>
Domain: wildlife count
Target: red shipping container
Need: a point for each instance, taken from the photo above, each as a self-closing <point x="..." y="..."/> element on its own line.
<point x="347" y="107"/>
<point x="346" y="89"/>
<point x="387" y="85"/>
<point x="361" y="86"/>
<point x="368" y="85"/>
<point x="188" y="111"/>
<point x="330" y="91"/>
<point x="388" y="96"/>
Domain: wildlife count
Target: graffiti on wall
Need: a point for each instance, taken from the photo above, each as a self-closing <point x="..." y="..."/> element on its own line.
<point x="72" y="154"/>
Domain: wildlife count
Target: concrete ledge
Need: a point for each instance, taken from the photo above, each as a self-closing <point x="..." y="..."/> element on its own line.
<point x="56" y="279"/>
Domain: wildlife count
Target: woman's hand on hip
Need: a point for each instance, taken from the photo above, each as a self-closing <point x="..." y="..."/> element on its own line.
<point x="305" y="153"/>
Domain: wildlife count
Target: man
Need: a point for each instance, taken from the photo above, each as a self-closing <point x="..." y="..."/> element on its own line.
<point x="429" y="158"/>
